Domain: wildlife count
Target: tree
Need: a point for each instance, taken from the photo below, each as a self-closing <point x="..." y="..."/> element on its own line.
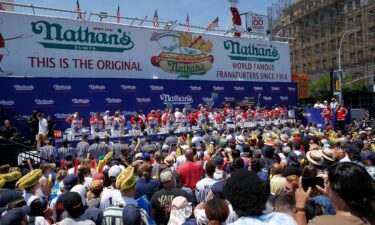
<point x="319" y="89"/>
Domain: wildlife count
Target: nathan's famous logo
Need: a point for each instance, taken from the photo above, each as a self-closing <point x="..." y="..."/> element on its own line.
<point x="176" y="99"/>
<point x="183" y="54"/>
<point x="251" y="52"/>
<point x="58" y="37"/>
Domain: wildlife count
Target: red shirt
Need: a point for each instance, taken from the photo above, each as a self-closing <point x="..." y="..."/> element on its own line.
<point x="92" y="119"/>
<point x="341" y="112"/>
<point x="327" y="113"/>
<point x="191" y="173"/>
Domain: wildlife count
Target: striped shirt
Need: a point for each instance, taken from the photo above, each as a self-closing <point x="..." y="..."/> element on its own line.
<point x="98" y="149"/>
<point x="82" y="149"/>
<point x="48" y="152"/>
<point x="63" y="152"/>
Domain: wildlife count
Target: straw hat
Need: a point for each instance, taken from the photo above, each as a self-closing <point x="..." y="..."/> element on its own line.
<point x="30" y="179"/>
<point x="126" y="179"/>
<point x="327" y="154"/>
<point x="169" y="160"/>
<point x="315" y="157"/>
<point x="7" y="177"/>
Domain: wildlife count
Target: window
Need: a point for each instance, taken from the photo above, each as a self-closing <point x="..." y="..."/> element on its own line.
<point x="351" y="37"/>
<point x="332" y="30"/>
<point x="352" y="56"/>
<point x="373" y="53"/>
<point x="358" y="20"/>
<point x="333" y="44"/>
<point x="324" y="63"/>
<point x="350" y="23"/>
<point x="357" y="4"/>
<point x="360" y="55"/>
<point x="359" y="36"/>
<point x="371" y="33"/>
<point x="323" y="32"/>
<point x="350" y="6"/>
<point x="317" y="48"/>
<point x="323" y="46"/>
<point x="334" y="62"/>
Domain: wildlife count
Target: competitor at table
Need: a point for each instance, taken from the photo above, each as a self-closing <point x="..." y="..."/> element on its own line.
<point x="152" y="121"/>
<point x="137" y="122"/>
<point x="118" y="123"/>
<point x="107" y="121"/>
<point x="76" y="122"/>
<point x="97" y="123"/>
<point x="168" y="118"/>
<point x="201" y="116"/>
<point x="184" y="120"/>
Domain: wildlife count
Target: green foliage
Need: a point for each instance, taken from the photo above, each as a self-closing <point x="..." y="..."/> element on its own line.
<point x="353" y="87"/>
<point x="319" y="89"/>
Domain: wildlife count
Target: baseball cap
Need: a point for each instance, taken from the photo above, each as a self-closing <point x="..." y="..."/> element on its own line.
<point x="8" y="195"/>
<point x="114" y="171"/>
<point x="218" y="188"/>
<point x="219" y="160"/>
<point x="73" y="204"/>
<point x="131" y="215"/>
<point x="70" y="181"/>
<point x="146" y="156"/>
<point x="15" y="216"/>
<point x="353" y="149"/>
<point x="166" y="176"/>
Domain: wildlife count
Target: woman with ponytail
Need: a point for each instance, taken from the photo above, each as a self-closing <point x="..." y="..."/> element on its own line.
<point x="217" y="211"/>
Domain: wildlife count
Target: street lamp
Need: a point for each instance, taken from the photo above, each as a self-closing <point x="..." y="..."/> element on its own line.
<point x="340" y="69"/>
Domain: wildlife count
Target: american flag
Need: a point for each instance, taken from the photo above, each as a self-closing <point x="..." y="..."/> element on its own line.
<point x="213" y="24"/>
<point x="187" y="23"/>
<point x="156" y="19"/>
<point x="118" y="14"/>
<point x="280" y="33"/>
<point x="78" y="11"/>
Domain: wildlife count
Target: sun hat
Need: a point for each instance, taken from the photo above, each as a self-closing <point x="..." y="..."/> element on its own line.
<point x="240" y="139"/>
<point x="327" y="154"/>
<point x="169" y="160"/>
<point x="315" y="157"/>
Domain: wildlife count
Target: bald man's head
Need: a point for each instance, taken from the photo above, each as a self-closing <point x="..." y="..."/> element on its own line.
<point x="189" y="154"/>
<point x="6" y="123"/>
<point x="277" y="169"/>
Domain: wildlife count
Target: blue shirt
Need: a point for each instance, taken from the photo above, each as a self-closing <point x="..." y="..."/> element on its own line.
<point x="146" y="187"/>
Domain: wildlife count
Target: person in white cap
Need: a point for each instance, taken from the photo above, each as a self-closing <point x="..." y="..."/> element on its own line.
<point x="107" y="121"/>
<point x="110" y="194"/>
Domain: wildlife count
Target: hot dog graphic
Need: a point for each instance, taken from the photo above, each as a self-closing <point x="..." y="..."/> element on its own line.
<point x="182" y="54"/>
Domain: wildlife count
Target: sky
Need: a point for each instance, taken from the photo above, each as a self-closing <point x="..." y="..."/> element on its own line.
<point x="201" y="12"/>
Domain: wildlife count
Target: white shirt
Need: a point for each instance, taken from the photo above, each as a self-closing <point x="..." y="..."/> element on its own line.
<point x="178" y="116"/>
<point x="109" y="197"/>
<point x="197" y="141"/>
<point x="270" y="218"/>
<point x="43" y="125"/>
<point x="107" y="122"/>
<point x="203" y="187"/>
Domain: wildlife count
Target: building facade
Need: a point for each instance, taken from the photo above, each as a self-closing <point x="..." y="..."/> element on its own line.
<point x="315" y="28"/>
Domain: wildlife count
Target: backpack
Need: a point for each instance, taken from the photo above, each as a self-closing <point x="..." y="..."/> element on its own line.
<point x="113" y="216"/>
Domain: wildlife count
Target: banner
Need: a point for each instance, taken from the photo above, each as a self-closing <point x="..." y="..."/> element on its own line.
<point x="302" y="81"/>
<point x="36" y="46"/>
<point x="257" y="23"/>
<point x="60" y="97"/>
<point x="315" y="116"/>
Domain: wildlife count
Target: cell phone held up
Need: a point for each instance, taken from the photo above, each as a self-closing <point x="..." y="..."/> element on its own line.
<point x="312" y="182"/>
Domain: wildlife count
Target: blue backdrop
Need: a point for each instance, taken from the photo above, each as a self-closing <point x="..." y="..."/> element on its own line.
<point x="60" y="97"/>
